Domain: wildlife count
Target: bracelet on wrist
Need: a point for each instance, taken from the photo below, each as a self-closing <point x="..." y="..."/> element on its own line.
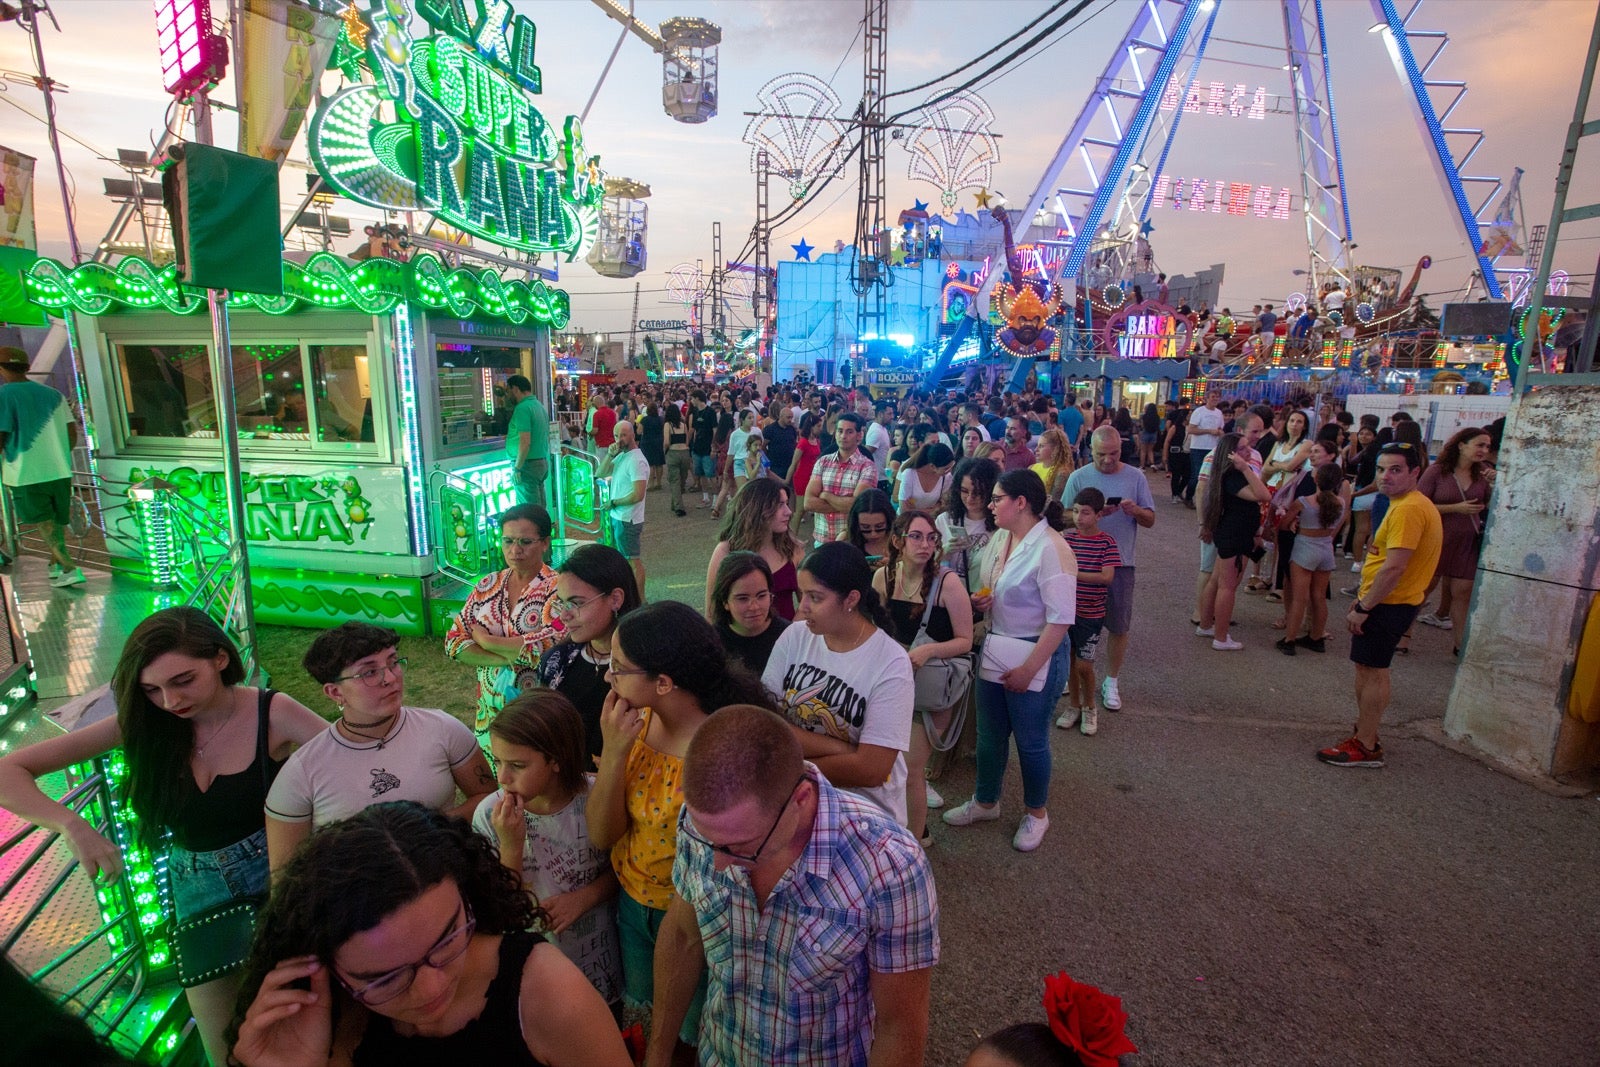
<point x="1359" y="610"/>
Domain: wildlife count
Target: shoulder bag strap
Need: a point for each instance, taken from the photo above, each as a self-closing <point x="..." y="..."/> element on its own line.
<point x="263" y="727"/>
<point x="932" y="600"/>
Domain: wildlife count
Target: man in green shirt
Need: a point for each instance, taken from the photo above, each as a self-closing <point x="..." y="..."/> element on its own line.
<point x="527" y="441"/>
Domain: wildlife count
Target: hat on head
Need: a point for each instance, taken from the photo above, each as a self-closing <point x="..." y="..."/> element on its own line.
<point x="14" y="358"/>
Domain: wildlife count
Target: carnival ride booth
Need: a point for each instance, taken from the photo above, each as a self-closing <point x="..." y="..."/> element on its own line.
<point x="689" y="69"/>
<point x="371" y="425"/>
<point x="621" y="244"/>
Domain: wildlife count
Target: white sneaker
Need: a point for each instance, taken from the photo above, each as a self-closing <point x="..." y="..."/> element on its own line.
<point x="1205" y="631"/>
<point x="934" y="799"/>
<point x="1355" y="568"/>
<point x="1030" y="835"/>
<point x="1109" y="696"/>
<point x="1069" y="718"/>
<point x="971" y="812"/>
<point x="1090" y="722"/>
<point x="68" y="579"/>
<point x="1432" y="619"/>
<point x="1230" y="645"/>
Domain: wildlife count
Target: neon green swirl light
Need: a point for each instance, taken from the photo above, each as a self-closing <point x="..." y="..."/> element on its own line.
<point x="374" y="286"/>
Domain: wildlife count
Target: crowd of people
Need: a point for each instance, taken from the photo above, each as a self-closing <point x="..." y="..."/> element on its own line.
<point x="711" y="822"/>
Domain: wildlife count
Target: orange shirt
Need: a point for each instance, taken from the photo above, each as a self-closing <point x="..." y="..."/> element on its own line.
<point x="1411" y="522"/>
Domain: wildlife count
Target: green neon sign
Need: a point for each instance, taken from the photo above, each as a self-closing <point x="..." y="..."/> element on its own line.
<point x="466" y="144"/>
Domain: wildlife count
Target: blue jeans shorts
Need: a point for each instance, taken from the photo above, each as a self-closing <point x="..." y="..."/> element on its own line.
<point x="705" y="466"/>
<point x="203" y="880"/>
<point x="625" y="536"/>
<point x="638" y="926"/>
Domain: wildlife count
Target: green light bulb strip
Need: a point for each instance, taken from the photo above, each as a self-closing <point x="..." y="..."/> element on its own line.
<point x="374" y="286"/>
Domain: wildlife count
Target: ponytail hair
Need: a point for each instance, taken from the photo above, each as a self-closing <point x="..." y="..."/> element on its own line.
<point x="842" y="568"/>
<point x="1329" y="505"/>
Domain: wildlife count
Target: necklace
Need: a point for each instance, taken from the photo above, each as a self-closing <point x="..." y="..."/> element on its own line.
<point x="357" y="728"/>
<point x="200" y="750"/>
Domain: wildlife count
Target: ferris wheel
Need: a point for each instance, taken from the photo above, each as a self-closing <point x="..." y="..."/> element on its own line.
<point x="1110" y="170"/>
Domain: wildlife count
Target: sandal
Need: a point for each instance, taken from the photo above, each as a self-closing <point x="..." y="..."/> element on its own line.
<point x="1404" y="647"/>
<point x="1276" y="597"/>
<point x="1256" y="585"/>
<point x="1280" y="624"/>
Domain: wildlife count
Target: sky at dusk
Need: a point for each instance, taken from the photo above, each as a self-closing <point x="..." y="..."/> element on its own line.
<point x="1521" y="62"/>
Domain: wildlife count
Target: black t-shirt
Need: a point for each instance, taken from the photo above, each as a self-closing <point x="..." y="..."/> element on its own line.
<point x="1366" y="468"/>
<point x="1236" y="530"/>
<point x="1268" y="442"/>
<point x="569" y="672"/>
<point x="753" y="652"/>
<point x="704" y="423"/>
<point x="1149" y="422"/>
<point x="781" y="440"/>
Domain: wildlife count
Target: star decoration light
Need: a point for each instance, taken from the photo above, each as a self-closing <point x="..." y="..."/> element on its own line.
<point x="355" y="27"/>
<point x="918" y="205"/>
<point x="982" y="197"/>
<point x="802" y="251"/>
<point x="1146" y="229"/>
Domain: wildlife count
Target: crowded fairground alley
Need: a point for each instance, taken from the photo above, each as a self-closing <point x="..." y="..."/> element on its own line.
<point x="598" y="533"/>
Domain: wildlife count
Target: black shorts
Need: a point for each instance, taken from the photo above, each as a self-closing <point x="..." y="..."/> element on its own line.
<point x="1374" y="646"/>
<point x="43" y="502"/>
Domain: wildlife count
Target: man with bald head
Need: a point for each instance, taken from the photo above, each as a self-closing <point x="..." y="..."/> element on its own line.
<point x="1129" y="506"/>
<point x="811" y="911"/>
<point x="629" y="472"/>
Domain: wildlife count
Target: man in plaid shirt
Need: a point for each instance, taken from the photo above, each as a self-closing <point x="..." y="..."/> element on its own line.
<point x="813" y="911"/>
<point x="839" y="477"/>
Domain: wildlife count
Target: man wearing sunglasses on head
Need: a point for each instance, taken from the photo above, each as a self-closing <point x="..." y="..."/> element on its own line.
<point x="1394" y="582"/>
<point x="811" y="910"/>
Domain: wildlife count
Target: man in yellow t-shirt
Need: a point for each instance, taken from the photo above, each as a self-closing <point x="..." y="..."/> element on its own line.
<point x="1394" y="582"/>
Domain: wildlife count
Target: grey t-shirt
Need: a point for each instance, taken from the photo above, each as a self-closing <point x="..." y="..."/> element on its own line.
<point x="1129" y="483"/>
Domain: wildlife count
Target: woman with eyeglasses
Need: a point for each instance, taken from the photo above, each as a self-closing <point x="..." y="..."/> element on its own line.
<point x="201" y="750"/>
<point x="378" y="749"/>
<point x="867" y="526"/>
<point x="912" y="576"/>
<point x="395" y="937"/>
<point x="742" y="609"/>
<point x="668" y="673"/>
<point x="759" y="522"/>
<point x="966" y="523"/>
<point x="594" y="589"/>
<point x="507" y="623"/>
<point x="843" y="682"/>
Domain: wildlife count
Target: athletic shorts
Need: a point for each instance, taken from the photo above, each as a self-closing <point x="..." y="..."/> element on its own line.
<point x="626" y="536"/>
<point x="1313" y="553"/>
<point x="43" y="502"/>
<point x="1119" y="602"/>
<point x="704" y="466"/>
<point x="1085" y="637"/>
<point x="1380" y="635"/>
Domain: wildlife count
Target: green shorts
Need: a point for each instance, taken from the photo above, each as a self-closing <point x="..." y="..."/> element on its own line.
<point x="637" y="927"/>
<point x="42" y="502"/>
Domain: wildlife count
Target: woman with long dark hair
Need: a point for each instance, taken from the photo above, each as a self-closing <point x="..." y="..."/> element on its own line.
<point x="807" y="450"/>
<point x="967" y="523"/>
<point x="652" y="442"/>
<point x="867" y="525"/>
<point x="675" y="443"/>
<point x="1458" y="484"/>
<point x="1230" y="516"/>
<point x="759" y="522"/>
<point x="1033" y="601"/>
<point x="1319" y="516"/>
<point x="925" y="478"/>
<point x="201" y="750"/>
<point x="396" y="936"/>
<point x="668" y="673"/>
<point x="843" y="682"/>
<point x="594" y="588"/>
<point x="741" y="609"/>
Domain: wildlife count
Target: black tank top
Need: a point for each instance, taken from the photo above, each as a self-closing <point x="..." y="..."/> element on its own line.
<point x="907" y="618"/>
<point x="231" y="810"/>
<point x="493" y="1038"/>
<point x="676" y="434"/>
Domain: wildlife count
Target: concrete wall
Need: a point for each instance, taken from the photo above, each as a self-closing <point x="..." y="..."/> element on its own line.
<point x="1539" y="570"/>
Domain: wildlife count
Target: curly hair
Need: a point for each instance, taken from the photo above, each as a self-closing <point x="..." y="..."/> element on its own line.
<point x="669" y="637"/>
<point x="748" y="527"/>
<point x="984" y="473"/>
<point x="157" y="746"/>
<point x="349" y="876"/>
<point x="1450" y="454"/>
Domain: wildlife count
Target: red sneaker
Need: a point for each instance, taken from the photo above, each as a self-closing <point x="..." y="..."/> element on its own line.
<point x="1352" y="753"/>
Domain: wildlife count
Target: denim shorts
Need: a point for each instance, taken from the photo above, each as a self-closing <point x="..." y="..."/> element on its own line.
<point x="704" y="466"/>
<point x="625" y="536"/>
<point x="203" y="880"/>
<point x="638" y="926"/>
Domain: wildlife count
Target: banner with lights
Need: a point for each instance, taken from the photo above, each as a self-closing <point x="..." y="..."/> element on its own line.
<point x="1218" y="100"/>
<point x="1217" y="196"/>
<point x="467" y="146"/>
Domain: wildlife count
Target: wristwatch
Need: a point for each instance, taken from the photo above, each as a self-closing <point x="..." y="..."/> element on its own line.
<point x="1358" y="609"/>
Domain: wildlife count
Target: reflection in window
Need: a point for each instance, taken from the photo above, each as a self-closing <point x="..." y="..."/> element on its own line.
<point x="269" y="391"/>
<point x="342" y="392"/>
<point x="168" y="390"/>
<point x="471" y="397"/>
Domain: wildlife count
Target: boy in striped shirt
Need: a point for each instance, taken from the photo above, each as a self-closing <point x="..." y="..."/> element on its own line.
<point x="1098" y="561"/>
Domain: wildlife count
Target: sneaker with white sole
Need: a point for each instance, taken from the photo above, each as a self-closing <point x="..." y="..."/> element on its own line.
<point x="1355" y="568"/>
<point x="1069" y="718"/>
<point x="1090" y="722"/>
<point x="68" y="579"/>
<point x="1110" y="696"/>
<point x="934" y="799"/>
<point x="971" y="812"/>
<point x="1227" y="645"/>
<point x="1432" y="619"/>
<point x="1030" y="834"/>
<point x="1205" y="631"/>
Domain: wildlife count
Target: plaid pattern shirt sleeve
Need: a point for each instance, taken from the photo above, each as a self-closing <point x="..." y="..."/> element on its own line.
<point x="790" y="983"/>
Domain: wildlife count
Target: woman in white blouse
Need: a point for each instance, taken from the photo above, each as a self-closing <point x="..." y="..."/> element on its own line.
<point x="1033" y="600"/>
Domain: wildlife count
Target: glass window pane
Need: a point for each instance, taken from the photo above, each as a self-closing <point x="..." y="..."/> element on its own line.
<point x="269" y="393"/>
<point x="341" y="391"/>
<point x="168" y="390"/>
<point x="471" y="400"/>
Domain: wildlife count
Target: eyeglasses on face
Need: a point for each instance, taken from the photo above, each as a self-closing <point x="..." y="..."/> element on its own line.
<point x="446" y="950"/>
<point x="567" y="608"/>
<point x="744" y="599"/>
<point x="520" y="542"/>
<point x="376" y="676"/>
<point x="922" y="538"/>
<point x="748" y="859"/>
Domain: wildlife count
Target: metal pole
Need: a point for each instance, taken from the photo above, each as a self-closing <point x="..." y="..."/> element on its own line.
<point x="30" y="15"/>
<point x="227" y="418"/>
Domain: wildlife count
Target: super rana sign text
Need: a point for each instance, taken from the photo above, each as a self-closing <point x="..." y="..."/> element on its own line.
<point x="288" y="508"/>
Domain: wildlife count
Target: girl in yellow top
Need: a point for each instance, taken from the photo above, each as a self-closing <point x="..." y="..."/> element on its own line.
<point x="1054" y="461"/>
<point x="668" y="672"/>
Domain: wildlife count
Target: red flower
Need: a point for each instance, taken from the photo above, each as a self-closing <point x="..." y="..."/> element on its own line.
<point x="1086" y="1020"/>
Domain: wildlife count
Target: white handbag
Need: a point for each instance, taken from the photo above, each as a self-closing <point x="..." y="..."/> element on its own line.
<point x="1001" y="654"/>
